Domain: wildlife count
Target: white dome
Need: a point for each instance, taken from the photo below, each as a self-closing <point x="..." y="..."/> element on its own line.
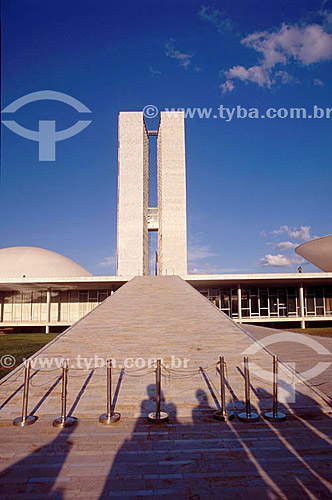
<point x="33" y="262"/>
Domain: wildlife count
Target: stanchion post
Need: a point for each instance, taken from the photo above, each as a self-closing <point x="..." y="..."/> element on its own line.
<point x="109" y="417"/>
<point x="25" y="419"/>
<point x="275" y="415"/>
<point x="248" y="415"/>
<point x="158" y="416"/>
<point x="63" y="420"/>
<point x="222" y="414"/>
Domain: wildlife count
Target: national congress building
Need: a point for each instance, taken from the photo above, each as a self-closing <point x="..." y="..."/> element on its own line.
<point x="41" y="289"/>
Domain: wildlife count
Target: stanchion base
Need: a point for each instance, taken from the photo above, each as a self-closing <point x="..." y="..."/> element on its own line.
<point x="219" y="415"/>
<point x="109" y="419"/>
<point x="19" y="422"/>
<point x="252" y="417"/>
<point x="67" y="422"/>
<point x="278" y="417"/>
<point x="162" y="417"/>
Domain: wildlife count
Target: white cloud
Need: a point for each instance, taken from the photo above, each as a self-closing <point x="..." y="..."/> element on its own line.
<point x="318" y="82"/>
<point x="279" y="260"/>
<point x="257" y="74"/>
<point x="283" y="77"/>
<point x="200" y="252"/>
<point x="183" y="58"/>
<point x="307" y="45"/>
<point x="284" y="245"/>
<point x="207" y="268"/>
<point x="227" y="86"/>
<point x="108" y="262"/>
<point x="217" y="18"/>
<point x="302" y="233"/>
<point x="304" y="45"/>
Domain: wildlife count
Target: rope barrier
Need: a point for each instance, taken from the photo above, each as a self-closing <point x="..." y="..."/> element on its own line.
<point x="33" y="384"/>
<point x="162" y="370"/>
<point x="208" y="367"/>
<point x="10" y="380"/>
<point x="321" y="383"/>
<point x="39" y="370"/>
<point x="137" y="376"/>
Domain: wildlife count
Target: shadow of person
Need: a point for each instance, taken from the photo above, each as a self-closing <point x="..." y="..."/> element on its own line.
<point x="149" y="405"/>
<point x="203" y="411"/>
<point x="207" y="459"/>
<point x="148" y="464"/>
<point x="40" y="469"/>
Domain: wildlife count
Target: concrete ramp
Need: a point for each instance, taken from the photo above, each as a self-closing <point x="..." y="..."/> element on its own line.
<point x="192" y="456"/>
<point x="149" y="317"/>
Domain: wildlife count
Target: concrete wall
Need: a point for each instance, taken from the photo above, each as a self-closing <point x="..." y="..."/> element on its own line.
<point x="133" y="181"/>
<point x="172" y="235"/>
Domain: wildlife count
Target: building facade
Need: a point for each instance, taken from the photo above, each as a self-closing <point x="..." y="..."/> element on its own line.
<point x="40" y="289"/>
<point x="135" y="217"/>
<point x="297" y="300"/>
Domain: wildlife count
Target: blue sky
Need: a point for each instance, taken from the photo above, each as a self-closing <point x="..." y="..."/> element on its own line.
<point x="255" y="187"/>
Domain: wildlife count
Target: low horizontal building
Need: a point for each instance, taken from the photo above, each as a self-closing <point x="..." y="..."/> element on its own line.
<point x="33" y="299"/>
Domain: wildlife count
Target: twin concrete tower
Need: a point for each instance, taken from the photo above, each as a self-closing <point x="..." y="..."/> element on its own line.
<point x="135" y="217"/>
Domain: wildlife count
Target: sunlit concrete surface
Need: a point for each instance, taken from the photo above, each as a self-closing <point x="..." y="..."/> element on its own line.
<point x="303" y="351"/>
<point x="191" y="456"/>
<point x="133" y="195"/>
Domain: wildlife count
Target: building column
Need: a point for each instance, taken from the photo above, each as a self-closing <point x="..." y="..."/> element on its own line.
<point x="301" y="296"/>
<point x="239" y="302"/>
<point x="1" y="306"/>
<point x="48" y="305"/>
